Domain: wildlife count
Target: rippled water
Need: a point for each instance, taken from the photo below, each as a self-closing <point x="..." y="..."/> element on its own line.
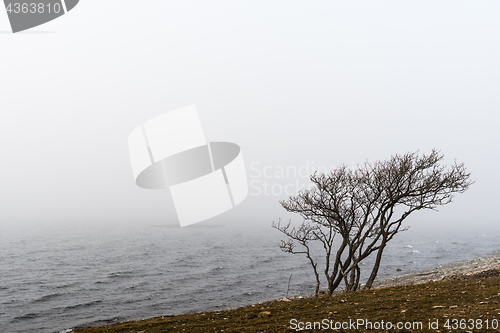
<point x="56" y="278"/>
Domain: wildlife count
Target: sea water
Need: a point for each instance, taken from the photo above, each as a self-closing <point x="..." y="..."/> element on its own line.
<point x="55" y="278"/>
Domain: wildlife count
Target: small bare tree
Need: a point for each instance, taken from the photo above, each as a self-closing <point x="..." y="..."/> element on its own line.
<point x="365" y="209"/>
<point x="303" y="234"/>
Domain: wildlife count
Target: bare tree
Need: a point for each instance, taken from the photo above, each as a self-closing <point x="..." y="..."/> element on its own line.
<point x="365" y="209"/>
<point x="303" y="234"/>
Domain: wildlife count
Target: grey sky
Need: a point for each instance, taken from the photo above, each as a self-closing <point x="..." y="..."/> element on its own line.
<point x="291" y="82"/>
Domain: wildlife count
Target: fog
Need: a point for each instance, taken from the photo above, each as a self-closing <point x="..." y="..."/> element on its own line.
<point x="297" y="85"/>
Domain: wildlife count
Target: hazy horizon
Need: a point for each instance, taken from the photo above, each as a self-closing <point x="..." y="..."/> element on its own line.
<point x="294" y="84"/>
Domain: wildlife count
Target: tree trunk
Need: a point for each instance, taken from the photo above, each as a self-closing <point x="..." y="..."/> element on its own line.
<point x="316" y="293"/>
<point x="376" y="267"/>
<point x="334" y="284"/>
<point x="358" y="275"/>
<point x="352" y="280"/>
<point x="335" y="278"/>
<point x="317" y="289"/>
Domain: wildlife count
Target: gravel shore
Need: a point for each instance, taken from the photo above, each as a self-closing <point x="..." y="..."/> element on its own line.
<point x="457" y="271"/>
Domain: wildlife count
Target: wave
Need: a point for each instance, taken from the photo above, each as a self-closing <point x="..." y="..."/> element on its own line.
<point x="120" y="274"/>
<point x="68" y="284"/>
<point x="27" y="316"/>
<point x="100" y="322"/>
<point x="101" y="282"/>
<point x="47" y="297"/>
<point x="83" y="305"/>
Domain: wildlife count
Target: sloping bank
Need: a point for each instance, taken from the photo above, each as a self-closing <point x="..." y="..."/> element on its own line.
<point x="461" y="297"/>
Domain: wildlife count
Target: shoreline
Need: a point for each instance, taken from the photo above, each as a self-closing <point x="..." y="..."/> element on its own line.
<point x="453" y="271"/>
<point x="428" y="300"/>
<point x="481" y="267"/>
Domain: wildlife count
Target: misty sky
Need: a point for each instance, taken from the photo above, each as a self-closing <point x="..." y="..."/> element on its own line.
<point x="294" y="83"/>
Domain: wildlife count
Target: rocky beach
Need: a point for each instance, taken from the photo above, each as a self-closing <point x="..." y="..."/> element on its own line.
<point x="455" y="271"/>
